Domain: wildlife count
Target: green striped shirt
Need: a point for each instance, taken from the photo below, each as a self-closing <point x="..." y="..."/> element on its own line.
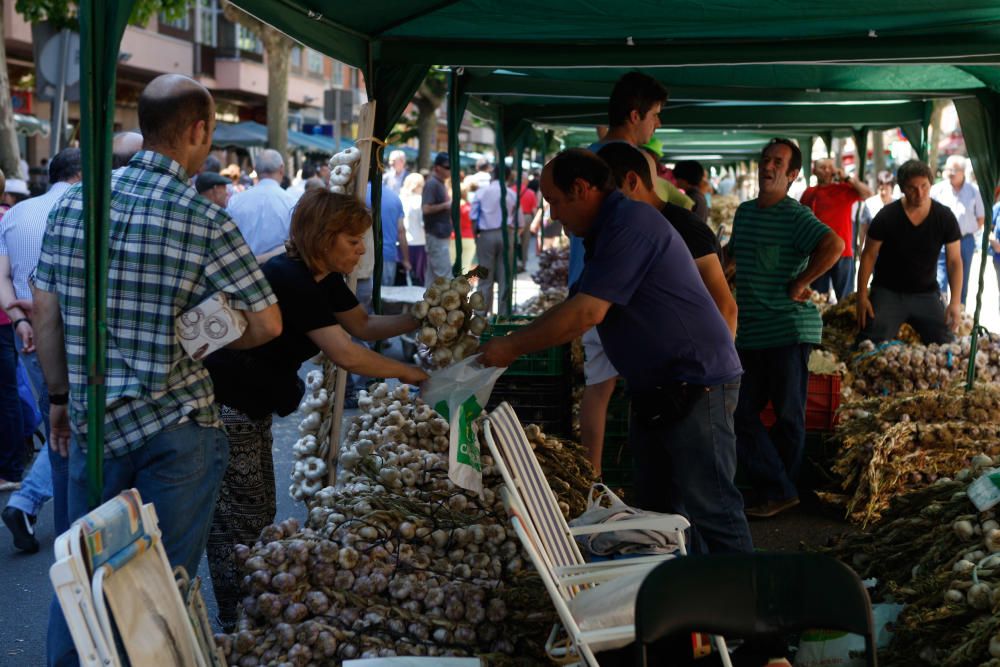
<point x="771" y="247"/>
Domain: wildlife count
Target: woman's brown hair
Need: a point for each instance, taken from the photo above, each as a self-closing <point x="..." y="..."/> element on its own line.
<point x="317" y="219"/>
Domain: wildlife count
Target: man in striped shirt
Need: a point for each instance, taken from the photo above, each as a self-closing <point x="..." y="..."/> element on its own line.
<point x="779" y="247"/>
<point x="21" y="232"/>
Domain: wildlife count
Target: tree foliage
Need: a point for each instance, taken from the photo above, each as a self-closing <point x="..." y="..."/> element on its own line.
<point x="62" y="13"/>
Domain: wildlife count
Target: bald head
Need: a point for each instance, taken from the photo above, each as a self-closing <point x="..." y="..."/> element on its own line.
<point x="123" y="147"/>
<point x="168" y="108"/>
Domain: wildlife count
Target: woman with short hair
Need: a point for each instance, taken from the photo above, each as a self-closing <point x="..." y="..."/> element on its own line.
<point x="319" y="313"/>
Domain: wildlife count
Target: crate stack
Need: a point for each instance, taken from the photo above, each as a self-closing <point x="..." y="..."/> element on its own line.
<point x="537" y="384"/>
<point x="616" y="460"/>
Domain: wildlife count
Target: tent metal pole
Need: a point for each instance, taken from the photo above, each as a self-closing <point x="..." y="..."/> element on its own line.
<point x="453" y="155"/>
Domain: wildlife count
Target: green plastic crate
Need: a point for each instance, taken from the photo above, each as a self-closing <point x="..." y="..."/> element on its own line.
<point x="549" y="363"/>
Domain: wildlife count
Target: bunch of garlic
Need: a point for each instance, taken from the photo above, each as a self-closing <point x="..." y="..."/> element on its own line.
<point x="904" y="368"/>
<point x="309" y="473"/>
<point x="546" y="299"/>
<point x="343" y="166"/>
<point x="449" y="325"/>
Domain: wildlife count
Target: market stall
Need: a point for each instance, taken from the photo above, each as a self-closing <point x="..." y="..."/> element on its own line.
<point x="781" y="67"/>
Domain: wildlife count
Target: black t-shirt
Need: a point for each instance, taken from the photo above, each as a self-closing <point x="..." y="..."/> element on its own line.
<point x="907" y="260"/>
<point x="697" y="235"/>
<point x="436" y="224"/>
<point x="265" y="379"/>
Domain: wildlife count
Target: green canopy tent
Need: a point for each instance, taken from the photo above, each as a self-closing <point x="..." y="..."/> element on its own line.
<point x="827" y="53"/>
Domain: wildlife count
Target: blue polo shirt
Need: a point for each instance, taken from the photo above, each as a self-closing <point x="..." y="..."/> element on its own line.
<point x="392" y="211"/>
<point x="663" y="325"/>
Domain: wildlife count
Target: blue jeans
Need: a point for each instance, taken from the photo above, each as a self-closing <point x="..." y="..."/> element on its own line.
<point x="687" y="467"/>
<point x="388" y="273"/>
<point x="839" y="276"/>
<point x="11" y="426"/>
<point x="967" y="246"/>
<point x="772" y="460"/>
<point x="49" y="474"/>
<point x="179" y="470"/>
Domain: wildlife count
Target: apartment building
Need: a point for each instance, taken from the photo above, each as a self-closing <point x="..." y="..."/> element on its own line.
<point x="225" y="56"/>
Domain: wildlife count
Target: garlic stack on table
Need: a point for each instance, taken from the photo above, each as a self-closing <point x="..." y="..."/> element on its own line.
<point x="342" y="168"/>
<point x="936" y="554"/>
<point x="449" y="323"/>
<point x="397" y="560"/>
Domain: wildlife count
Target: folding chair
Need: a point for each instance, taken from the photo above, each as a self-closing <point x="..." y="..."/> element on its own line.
<point x="549" y="541"/>
<point x="114" y="557"/>
<point x="752" y="595"/>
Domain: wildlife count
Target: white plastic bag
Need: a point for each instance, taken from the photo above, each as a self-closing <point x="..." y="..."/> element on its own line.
<point x="459" y="393"/>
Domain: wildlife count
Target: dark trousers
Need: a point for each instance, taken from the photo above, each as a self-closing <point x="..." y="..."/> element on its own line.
<point x="839" y="276"/>
<point x="12" y="447"/>
<point x="772" y="459"/>
<point x="924" y="312"/>
<point x="687" y="467"/>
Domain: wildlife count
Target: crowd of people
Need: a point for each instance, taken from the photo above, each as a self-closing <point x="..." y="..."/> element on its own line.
<point x="649" y="295"/>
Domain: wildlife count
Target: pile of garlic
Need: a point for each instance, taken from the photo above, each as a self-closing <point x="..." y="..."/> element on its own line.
<point x="938" y="556"/>
<point x="553" y="269"/>
<point x="449" y="325"/>
<point x="546" y="299"/>
<point x="342" y="170"/>
<point x="397" y="560"/>
<point x="897" y="367"/>
<point x="309" y="473"/>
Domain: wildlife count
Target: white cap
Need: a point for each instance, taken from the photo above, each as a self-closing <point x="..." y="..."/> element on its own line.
<point x="16" y="186"/>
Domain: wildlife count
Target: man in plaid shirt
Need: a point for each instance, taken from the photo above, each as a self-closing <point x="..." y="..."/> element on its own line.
<point x="168" y="251"/>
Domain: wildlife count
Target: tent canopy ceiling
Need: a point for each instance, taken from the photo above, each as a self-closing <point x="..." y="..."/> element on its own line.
<point x="642" y="32"/>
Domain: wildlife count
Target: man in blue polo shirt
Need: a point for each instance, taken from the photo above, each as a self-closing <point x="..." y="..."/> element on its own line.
<point x="664" y="334"/>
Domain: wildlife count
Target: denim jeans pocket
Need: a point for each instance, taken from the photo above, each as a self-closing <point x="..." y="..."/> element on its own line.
<point x="180" y="454"/>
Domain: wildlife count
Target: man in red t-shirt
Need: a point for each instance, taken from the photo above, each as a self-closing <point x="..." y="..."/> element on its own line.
<point x="831" y="200"/>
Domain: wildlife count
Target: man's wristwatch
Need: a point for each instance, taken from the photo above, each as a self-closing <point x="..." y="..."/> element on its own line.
<point x="18" y="321"/>
<point x="59" y="399"/>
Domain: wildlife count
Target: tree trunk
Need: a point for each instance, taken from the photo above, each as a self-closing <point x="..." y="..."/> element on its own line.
<point x="934" y="133"/>
<point x="278" y="50"/>
<point x="427" y="131"/>
<point x="9" y="152"/>
<point x="878" y="153"/>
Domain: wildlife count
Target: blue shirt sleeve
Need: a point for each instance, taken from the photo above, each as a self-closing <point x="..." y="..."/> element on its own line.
<point x="619" y="264"/>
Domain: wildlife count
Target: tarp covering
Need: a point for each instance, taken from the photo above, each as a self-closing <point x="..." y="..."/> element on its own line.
<point x="250" y="134"/>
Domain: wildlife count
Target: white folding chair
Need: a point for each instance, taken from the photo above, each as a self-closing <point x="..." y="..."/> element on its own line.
<point x="113" y="557"/>
<point x="550" y="542"/>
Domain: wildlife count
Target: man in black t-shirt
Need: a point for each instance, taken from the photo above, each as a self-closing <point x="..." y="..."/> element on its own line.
<point x="436" y="207"/>
<point x="633" y="172"/>
<point x="902" y="247"/>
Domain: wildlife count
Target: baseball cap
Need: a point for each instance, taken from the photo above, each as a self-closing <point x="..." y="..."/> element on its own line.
<point x="17" y="186"/>
<point x="442" y="160"/>
<point x="207" y="180"/>
<point x="655" y="146"/>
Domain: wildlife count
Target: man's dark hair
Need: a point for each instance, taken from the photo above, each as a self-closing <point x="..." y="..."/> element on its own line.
<point x="67" y="164"/>
<point x="162" y="120"/>
<point x="623" y="158"/>
<point x="796" y="162"/>
<point x="912" y="169"/>
<point x="690" y="170"/>
<point x="212" y="164"/>
<point x="634" y="90"/>
<point x="574" y="163"/>
<point x="308" y="170"/>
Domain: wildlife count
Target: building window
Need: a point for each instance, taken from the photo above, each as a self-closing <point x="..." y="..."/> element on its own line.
<point x="297" y="57"/>
<point x="246" y="40"/>
<point x="208" y="22"/>
<point x="315" y="62"/>
<point x="182" y="23"/>
<point x="338" y="74"/>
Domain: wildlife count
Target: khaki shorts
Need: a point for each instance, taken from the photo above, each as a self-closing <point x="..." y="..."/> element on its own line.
<point x="597" y="367"/>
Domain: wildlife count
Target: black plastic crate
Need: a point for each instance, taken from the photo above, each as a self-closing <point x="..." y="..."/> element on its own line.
<point x="544" y="401"/>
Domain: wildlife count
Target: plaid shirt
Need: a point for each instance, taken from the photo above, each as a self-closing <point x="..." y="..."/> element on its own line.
<point x="169" y="250"/>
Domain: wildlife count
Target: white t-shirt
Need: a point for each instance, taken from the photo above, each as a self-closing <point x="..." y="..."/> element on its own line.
<point x="414" y="215"/>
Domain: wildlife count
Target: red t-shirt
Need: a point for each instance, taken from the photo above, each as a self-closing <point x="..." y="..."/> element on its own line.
<point x="529" y="201"/>
<point x="465" y="220"/>
<point x="832" y="205"/>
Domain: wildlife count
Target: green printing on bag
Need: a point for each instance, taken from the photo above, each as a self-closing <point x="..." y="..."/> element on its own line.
<point x="468" y="445"/>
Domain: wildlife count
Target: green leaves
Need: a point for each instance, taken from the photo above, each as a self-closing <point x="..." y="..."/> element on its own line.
<point x="62" y="13"/>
